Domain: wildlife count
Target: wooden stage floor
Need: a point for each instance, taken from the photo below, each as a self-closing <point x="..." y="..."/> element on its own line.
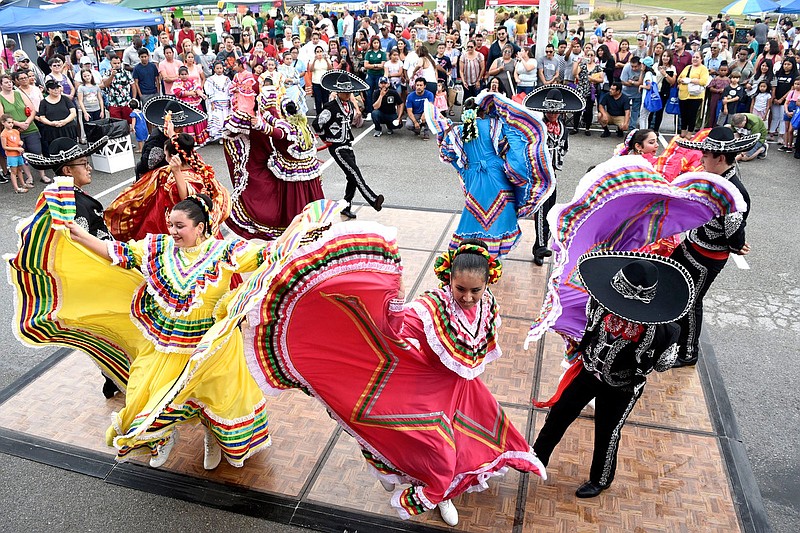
<point x="676" y="471"/>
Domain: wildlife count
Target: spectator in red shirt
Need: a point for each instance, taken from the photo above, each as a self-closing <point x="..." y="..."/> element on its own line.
<point x="103" y="39"/>
<point x="186" y="33"/>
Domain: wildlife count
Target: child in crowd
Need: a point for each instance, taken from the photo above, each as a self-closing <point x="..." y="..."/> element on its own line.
<point x="440" y="100"/>
<point x="731" y="96"/>
<point x="762" y="101"/>
<point x="716" y="87"/>
<point x="90" y="99"/>
<point x="217" y="88"/>
<point x="189" y="91"/>
<point x="138" y="124"/>
<point x="789" y="109"/>
<point x="12" y="146"/>
<point x="243" y="89"/>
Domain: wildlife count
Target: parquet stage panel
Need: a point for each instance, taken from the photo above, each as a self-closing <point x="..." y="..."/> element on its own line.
<point x="671" y="474"/>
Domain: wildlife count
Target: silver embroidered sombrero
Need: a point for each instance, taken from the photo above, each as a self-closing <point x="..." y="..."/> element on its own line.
<point x="554" y="99"/>
<point x="62" y="151"/>
<point x="341" y="81"/>
<point x="639" y="287"/>
<point x="183" y="115"/>
<point x="721" y="140"/>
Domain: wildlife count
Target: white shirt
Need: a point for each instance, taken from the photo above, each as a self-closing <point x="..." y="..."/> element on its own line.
<point x="306" y="54"/>
<point x="347" y="25"/>
<point x="328" y="25"/>
<point x="705" y="30"/>
<point x="219" y="26"/>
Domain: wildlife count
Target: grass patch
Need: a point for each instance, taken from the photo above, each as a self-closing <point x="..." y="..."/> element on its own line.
<point x="706" y="7"/>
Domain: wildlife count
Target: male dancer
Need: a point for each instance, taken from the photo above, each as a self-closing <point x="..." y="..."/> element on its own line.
<point x="554" y="102"/>
<point x="333" y="125"/>
<point x="635" y="299"/>
<point x="71" y="160"/>
<point x="705" y="250"/>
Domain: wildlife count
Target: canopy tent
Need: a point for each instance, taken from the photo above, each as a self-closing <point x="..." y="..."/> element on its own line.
<point x="84" y="15"/>
<point x="11" y="16"/>
<point x="789" y="6"/>
<point x="748" y="7"/>
<point x="156" y="4"/>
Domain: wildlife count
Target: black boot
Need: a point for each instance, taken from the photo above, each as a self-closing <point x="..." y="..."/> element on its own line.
<point x="684" y="361"/>
<point x="590" y="490"/>
<point x="109" y="388"/>
<point x="346" y="212"/>
<point x="539" y="254"/>
<point x="377" y="205"/>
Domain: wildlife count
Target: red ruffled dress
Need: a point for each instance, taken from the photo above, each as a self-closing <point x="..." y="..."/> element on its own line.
<point x="144" y="207"/>
<point x="402" y="380"/>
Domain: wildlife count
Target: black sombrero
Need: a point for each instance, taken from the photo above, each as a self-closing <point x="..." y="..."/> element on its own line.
<point x="554" y="99"/>
<point x="341" y="81"/>
<point x="722" y="140"/>
<point x="639" y="287"/>
<point x="182" y="114"/>
<point x="62" y="151"/>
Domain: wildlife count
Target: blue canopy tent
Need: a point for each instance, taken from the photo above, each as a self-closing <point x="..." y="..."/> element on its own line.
<point x="789" y="6"/>
<point x="11" y="16"/>
<point x="84" y="15"/>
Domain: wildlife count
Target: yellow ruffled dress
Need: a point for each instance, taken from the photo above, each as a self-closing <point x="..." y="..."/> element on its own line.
<point x="174" y="308"/>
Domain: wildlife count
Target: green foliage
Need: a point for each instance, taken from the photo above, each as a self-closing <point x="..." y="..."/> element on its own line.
<point x="611" y="14"/>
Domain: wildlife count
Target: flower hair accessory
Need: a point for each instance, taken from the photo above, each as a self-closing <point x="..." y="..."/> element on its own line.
<point x="443" y="265"/>
<point x="206" y="211"/>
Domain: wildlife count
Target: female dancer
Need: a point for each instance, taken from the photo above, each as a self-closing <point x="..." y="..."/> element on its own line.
<point x="144" y="206"/>
<point x="406" y="385"/>
<point x="155" y="312"/>
<point x="500" y="154"/>
<point x="273" y="165"/>
<point x="185" y="274"/>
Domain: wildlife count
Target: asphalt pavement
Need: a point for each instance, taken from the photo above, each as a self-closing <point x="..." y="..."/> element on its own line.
<point x="752" y="317"/>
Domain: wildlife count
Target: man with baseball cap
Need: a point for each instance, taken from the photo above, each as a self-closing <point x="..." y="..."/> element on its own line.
<point x="386" y="108"/>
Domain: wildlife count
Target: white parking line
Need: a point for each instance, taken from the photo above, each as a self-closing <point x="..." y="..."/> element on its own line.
<point x="114" y="188"/>
<point x="740" y="262"/>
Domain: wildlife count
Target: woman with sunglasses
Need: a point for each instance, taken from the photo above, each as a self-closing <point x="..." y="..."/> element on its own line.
<point x="472" y="65"/>
<point x="57" y="74"/>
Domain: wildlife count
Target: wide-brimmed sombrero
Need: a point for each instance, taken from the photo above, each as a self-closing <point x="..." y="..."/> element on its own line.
<point x="341" y="81"/>
<point x="182" y="114"/>
<point x="721" y="140"/>
<point x="62" y="151"/>
<point x="555" y="99"/>
<point x="639" y="287"/>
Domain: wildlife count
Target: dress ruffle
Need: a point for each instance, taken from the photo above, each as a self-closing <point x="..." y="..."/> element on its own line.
<point x="52" y="276"/>
<point x="623" y="205"/>
<point x="464" y="352"/>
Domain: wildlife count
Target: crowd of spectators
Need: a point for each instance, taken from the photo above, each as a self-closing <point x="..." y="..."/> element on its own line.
<point x="701" y="76"/>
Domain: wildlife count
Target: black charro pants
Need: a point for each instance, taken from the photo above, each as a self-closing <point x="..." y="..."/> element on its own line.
<point x="612" y="407"/>
<point x="703" y="271"/>
<point x="346" y="159"/>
